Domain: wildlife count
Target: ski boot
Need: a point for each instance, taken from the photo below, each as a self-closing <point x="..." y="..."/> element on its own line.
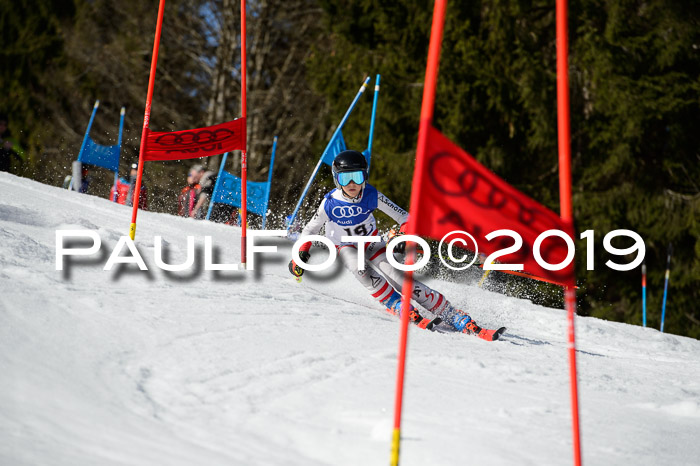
<point x="465" y="324"/>
<point x="393" y="305"/>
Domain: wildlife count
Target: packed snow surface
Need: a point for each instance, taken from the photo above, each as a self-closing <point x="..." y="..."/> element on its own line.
<point x="131" y="367"/>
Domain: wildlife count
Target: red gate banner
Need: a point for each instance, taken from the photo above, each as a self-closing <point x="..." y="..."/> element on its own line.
<point x="458" y="193"/>
<point x="195" y="143"/>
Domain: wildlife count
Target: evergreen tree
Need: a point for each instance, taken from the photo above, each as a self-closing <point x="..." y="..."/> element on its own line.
<point x="636" y="71"/>
<point x="634" y="68"/>
<point x="31" y="42"/>
<point x="69" y="54"/>
<point x="634" y="106"/>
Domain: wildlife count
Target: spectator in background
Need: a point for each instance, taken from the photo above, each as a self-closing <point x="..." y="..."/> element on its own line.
<point x="187" y="199"/>
<point x="234" y="217"/>
<point x="143" y="196"/>
<point x="206" y="184"/>
<point x="122" y="190"/>
<point x="85" y="179"/>
<point x="9" y="147"/>
<point x="126" y="188"/>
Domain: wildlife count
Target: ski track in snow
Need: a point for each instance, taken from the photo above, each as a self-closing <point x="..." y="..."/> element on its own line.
<point x="151" y="368"/>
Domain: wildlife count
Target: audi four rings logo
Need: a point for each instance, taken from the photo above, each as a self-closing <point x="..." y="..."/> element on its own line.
<point x="468" y="185"/>
<point x="194" y="138"/>
<point x="348" y="211"/>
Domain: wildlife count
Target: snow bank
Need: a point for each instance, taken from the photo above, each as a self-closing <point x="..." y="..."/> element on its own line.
<point x="201" y="367"/>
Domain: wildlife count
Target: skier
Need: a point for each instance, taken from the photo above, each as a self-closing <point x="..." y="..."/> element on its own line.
<point x="347" y="211"/>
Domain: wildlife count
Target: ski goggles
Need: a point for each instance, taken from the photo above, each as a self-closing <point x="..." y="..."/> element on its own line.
<point x="344" y="178"/>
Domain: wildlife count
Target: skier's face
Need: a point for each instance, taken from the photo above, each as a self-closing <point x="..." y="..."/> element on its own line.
<point x="352" y="189"/>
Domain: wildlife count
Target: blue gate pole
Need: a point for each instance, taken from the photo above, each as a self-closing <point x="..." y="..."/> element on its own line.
<point x="269" y="179"/>
<point x="644" y="294"/>
<point x="119" y="143"/>
<point x="216" y="185"/>
<point x="668" y="270"/>
<point x="303" y="195"/>
<point x="335" y="133"/>
<point x="371" y="124"/>
<point x="85" y="138"/>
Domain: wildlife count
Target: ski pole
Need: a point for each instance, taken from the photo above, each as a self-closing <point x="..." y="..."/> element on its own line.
<point x="668" y="271"/>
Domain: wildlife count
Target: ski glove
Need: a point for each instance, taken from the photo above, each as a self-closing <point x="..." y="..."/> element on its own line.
<point x="295" y="269"/>
<point x="400" y="247"/>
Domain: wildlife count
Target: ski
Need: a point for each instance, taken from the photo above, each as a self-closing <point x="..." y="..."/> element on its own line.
<point x="429" y="324"/>
<point x="419" y="320"/>
<point x="483" y="333"/>
<point x="490" y="335"/>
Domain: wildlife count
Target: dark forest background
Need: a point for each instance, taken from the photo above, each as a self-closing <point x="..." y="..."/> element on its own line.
<point x="635" y="107"/>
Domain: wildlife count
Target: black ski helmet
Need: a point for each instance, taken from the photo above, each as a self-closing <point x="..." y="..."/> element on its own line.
<point x="349" y="161"/>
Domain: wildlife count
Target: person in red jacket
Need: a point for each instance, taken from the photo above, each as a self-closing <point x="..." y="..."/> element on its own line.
<point x="187" y="200"/>
<point x="125" y="190"/>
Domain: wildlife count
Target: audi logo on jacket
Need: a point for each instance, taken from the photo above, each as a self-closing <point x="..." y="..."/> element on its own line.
<point x="352" y="217"/>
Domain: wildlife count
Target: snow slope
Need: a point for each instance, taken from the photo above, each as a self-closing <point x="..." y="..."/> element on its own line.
<point x="251" y="368"/>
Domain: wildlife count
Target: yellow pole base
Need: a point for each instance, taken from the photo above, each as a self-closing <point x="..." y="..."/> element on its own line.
<point x="483" y="279"/>
<point x="132" y="231"/>
<point x="395" y="441"/>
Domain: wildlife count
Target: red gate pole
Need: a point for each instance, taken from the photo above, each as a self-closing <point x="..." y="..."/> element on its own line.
<point x="244" y="156"/>
<point x="146" y="119"/>
<point x="426" y="119"/>
<point x="564" y="133"/>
